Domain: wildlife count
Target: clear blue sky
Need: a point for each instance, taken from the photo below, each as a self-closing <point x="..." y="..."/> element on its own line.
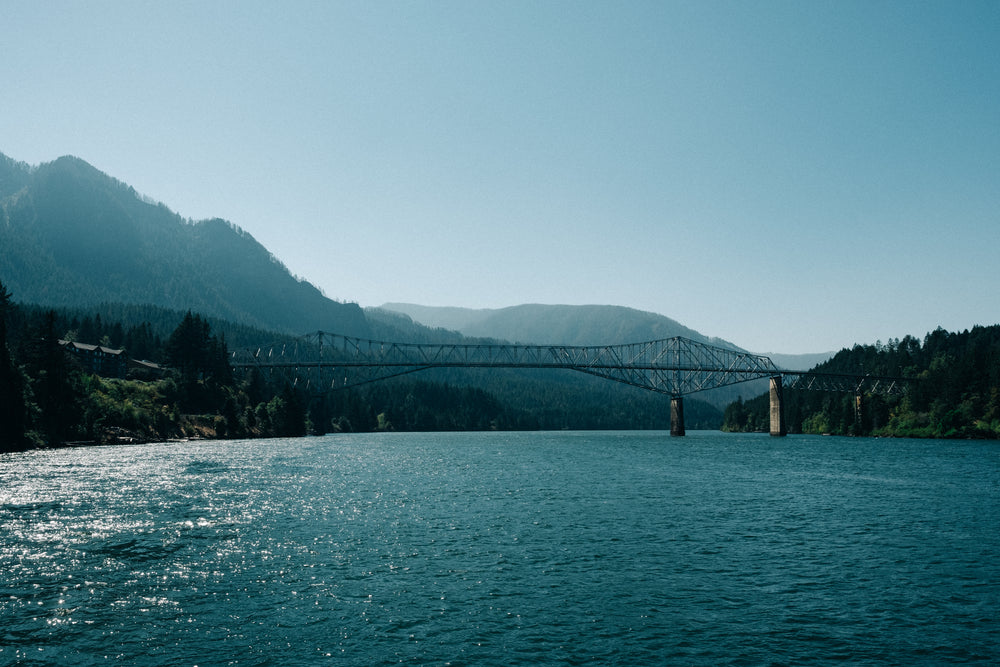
<point x="791" y="176"/>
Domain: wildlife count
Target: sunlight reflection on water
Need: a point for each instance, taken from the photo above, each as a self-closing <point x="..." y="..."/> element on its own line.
<point x="493" y="548"/>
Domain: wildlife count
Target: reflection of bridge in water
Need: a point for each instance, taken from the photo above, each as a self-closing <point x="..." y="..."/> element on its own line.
<point x="672" y="366"/>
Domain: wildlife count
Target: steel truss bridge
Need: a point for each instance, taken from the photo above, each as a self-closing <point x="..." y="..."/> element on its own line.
<point x="676" y="366"/>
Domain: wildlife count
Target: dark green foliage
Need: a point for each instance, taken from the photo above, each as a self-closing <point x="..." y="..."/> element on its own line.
<point x="116" y="410"/>
<point x="287" y="414"/>
<point x="747" y="417"/>
<point x="196" y="353"/>
<point x="56" y="387"/>
<point x="957" y="393"/>
<point x="508" y="400"/>
<point x="12" y="405"/>
<point x="426" y="406"/>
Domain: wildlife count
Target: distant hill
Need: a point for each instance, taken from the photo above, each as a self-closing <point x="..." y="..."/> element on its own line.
<point x="74" y="236"/>
<point x="543" y="324"/>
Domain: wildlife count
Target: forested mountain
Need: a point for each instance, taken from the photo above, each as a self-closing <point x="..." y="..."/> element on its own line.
<point x="73" y="236"/>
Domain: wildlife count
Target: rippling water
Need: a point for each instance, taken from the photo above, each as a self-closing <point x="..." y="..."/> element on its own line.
<point x="500" y="549"/>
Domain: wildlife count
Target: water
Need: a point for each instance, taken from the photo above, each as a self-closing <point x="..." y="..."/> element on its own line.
<point x="503" y="549"/>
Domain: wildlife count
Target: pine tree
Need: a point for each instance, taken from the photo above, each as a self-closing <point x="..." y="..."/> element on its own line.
<point x="12" y="408"/>
<point x="56" y="385"/>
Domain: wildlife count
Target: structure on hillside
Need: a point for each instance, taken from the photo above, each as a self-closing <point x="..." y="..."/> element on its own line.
<point x="97" y="359"/>
<point x="110" y="362"/>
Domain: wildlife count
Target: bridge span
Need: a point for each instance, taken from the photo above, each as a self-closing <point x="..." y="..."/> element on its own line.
<point x="673" y="366"/>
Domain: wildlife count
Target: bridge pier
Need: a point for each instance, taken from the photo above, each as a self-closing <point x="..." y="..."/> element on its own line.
<point x="777" y="409"/>
<point x="676" y="415"/>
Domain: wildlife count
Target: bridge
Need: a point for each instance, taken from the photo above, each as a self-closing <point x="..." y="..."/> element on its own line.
<point x="673" y="366"/>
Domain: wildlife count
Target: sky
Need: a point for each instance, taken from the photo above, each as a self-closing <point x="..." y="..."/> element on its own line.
<point x="790" y="176"/>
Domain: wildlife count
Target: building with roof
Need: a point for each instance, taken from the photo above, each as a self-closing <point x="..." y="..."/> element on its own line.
<point x="97" y="359"/>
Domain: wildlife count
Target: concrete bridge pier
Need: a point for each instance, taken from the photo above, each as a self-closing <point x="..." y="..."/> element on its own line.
<point x="777" y="409"/>
<point x="676" y="415"/>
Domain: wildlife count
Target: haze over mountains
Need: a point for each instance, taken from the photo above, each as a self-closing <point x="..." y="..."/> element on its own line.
<point x="73" y="236"/>
<point x="573" y="325"/>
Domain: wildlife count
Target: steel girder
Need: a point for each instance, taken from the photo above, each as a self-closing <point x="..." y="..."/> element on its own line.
<point x="856" y="384"/>
<point x="674" y="366"/>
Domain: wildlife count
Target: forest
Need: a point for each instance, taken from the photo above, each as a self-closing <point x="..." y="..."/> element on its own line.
<point x="954" y="391"/>
<point x="188" y="390"/>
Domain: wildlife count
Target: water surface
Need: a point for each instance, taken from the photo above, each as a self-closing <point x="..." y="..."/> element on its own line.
<point x="503" y="548"/>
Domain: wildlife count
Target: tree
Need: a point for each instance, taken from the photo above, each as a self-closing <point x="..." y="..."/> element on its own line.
<point x="196" y="353"/>
<point x="55" y="383"/>
<point x="287" y="414"/>
<point x="202" y="360"/>
<point x="188" y="347"/>
<point x="12" y="408"/>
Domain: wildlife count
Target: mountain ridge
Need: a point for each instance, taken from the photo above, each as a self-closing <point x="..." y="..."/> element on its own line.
<point x="74" y="236"/>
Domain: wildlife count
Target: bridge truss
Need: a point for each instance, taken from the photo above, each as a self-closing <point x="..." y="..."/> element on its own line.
<point x="322" y="362"/>
<point x="857" y="384"/>
<point x="674" y="366"/>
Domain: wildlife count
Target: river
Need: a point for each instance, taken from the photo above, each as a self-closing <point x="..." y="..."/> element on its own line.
<point x="562" y="548"/>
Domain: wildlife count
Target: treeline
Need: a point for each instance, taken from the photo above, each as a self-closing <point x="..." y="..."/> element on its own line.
<point x="48" y="397"/>
<point x="142" y="329"/>
<point x="482" y="399"/>
<point x="955" y="393"/>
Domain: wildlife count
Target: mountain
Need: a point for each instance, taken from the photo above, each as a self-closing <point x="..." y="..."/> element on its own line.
<point x="442" y="317"/>
<point x="74" y="236"/>
<point x="543" y="324"/>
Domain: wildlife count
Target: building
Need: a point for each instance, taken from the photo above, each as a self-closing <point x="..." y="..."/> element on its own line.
<point x="97" y="359"/>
